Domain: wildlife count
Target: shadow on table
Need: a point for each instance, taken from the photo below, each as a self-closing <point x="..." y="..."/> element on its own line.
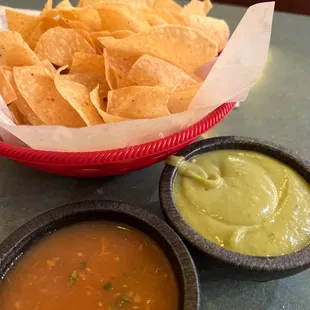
<point x="222" y="289"/>
<point x="211" y="269"/>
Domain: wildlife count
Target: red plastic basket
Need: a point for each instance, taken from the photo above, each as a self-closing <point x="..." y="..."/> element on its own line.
<point x="114" y="162"/>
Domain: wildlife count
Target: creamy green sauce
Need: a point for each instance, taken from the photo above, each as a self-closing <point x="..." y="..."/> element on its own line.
<point x="244" y="201"/>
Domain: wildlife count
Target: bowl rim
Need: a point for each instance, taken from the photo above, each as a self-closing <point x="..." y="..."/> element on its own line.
<point x="289" y="262"/>
<point x="73" y="213"/>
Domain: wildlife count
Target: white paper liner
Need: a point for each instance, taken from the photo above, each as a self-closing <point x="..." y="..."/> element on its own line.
<point x="229" y="79"/>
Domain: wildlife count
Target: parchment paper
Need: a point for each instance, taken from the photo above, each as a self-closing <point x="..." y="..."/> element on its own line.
<point x="228" y="79"/>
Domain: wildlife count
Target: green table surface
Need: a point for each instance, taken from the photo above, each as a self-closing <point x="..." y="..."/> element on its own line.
<point x="276" y="110"/>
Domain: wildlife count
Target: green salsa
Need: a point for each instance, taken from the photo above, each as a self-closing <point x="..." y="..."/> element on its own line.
<point x="244" y="201"/>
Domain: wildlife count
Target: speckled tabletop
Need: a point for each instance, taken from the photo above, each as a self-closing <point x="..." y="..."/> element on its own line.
<point x="276" y="110"/>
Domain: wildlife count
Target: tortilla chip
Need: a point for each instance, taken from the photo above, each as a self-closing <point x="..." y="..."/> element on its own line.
<point x="119" y="16"/>
<point x="22" y="23"/>
<point x="47" y="7"/>
<point x="166" y="16"/>
<point x="21" y="56"/>
<point x="43" y="25"/>
<point x="6" y="89"/>
<point x="10" y="42"/>
<point x="88" y="16"/>
<point x="18" y="117"/>
<point x="151" y="52"/>
<point x="196" y="77"/>
<point x="139" y="102"/>
<point x="117" y="69"/>
<point x="83" y="3"/>
<point x="37" y="87"/>
<point x="64" y="4"/>
<point x="86" y="36"/>
<point x="138" y="4"/>
<point x="97" y="34"/>
<point x="152" y="71"/>
<point x="98" y="103"/>
<point x="181" y="97"/>
<point x="21" y="103"/>
<point x="118" y="34"/>
<point x="153" y="19"/>
<point x="208" y="6"/>
<point x="100" y="106"/>
<point x="195" y="7"/>
<point x="90" y="80"/>
<point x="167" y="4"/>
<point x="78" y="97"/>
<point x="28" y="113"/>
<point x="72" y="24"/>
<point x="167" y="42"/>
<point x="46" y="64"/>
<point x="83" y="62"/>
<point x="110" y="71"/>
<point x="178" y="17"/>
<point x="215" y="29"/>
<point x="80" y="3"/>
<point x="58" y="46"/>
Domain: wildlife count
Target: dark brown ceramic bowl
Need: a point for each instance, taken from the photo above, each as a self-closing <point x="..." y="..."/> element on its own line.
<point x="244" y="266"/>
<point x="17" y="243"/>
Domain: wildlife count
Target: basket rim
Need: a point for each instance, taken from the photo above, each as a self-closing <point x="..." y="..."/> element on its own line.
<point x="149" y="149"/>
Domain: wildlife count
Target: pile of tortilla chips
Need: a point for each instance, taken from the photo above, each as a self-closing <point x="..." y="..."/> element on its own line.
<point x="105" y="61"/>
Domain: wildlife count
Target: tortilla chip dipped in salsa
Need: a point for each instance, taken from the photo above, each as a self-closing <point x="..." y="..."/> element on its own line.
<point x="120" y="61"/>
